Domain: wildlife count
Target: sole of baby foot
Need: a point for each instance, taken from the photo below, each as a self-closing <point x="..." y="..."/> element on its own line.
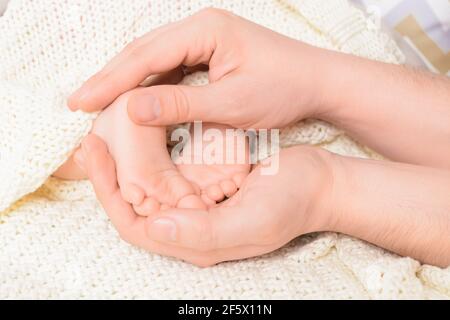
<point x="209" y="167"/>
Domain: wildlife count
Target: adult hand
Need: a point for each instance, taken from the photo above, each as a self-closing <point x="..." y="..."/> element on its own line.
<point x="258" y="78"/>
<point x="400" y="207"/>
<point x="267" y="212"/>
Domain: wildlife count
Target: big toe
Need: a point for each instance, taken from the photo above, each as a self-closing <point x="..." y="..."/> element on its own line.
<point x="181" y="190"/>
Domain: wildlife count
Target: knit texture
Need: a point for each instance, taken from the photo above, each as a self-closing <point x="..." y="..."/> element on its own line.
<point x="57" y="241"/>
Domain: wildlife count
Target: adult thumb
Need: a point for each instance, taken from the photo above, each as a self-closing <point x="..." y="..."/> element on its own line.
<point x="173" y="104"/>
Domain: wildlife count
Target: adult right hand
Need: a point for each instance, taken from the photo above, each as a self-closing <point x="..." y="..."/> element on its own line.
<point x="258" y="78"/>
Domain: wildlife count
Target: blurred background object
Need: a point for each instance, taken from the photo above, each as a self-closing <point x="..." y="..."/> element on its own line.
<point x="3" y="6"/>
<point x="421" y="27"/>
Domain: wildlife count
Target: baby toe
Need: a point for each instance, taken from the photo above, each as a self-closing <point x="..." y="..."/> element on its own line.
<point x="148" y="207"/>
<point x="239" y="178"/>
<point x="191" y="202"/>
<point x="207" y="200"/>
<point x="132" y="193"/>
<point x="228" y="187"/>
<point x="215" y="193"/>
<point x="177" y="189"/>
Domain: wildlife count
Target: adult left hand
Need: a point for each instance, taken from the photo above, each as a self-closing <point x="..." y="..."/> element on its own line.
<point x="266" y="213"/>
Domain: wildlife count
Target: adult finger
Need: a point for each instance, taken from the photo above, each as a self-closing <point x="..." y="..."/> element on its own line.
<point x="188" y="42"/>
<point x="218" y="229"/>
<point x="132" y="228"/>
<point x="101" y="171"/>
<point x="173" y="104"/>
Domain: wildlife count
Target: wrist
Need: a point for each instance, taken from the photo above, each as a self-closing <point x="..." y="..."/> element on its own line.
<point x="337" y="195"/>
<point x="329" y="197"/>
<point x="326" y="86"/>
<point x="314" y="75"/>
<point x="339" y="87"/>
<point x="330" y="203"/>
<point x="399" y="207"/>
<point x="343" y="196"/>
<point x="317" y="168"/>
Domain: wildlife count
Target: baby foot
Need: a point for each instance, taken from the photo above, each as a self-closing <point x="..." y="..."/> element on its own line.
<point x="222" y="178"/>
<point x="147" y="177"/>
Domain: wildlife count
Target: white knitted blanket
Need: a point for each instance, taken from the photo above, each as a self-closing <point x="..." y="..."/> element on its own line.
<point x="56" y="241"/>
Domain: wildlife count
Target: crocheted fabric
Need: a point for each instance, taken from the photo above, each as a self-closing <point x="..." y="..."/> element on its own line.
<point x="56" y="240"/>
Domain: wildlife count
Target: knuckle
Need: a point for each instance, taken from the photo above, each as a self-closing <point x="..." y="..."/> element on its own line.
<point x="135" y="51"/>
<point x="97" y="77"/>
<point x="131" y="46"/>
<point x="209" y="11"/>
<point x="111" y="82"/>
<point x="134" y="54"/>
<point x="214" y="14"/>
<point x="234" y="108"/>
<point x="180" y="101"/>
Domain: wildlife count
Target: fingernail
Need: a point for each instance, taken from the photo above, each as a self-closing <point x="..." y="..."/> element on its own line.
<point x="76" y="98"/>
<point x="72" y="106"/>
<point x="164" y="230"/>
<point x="147" y="108"/>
